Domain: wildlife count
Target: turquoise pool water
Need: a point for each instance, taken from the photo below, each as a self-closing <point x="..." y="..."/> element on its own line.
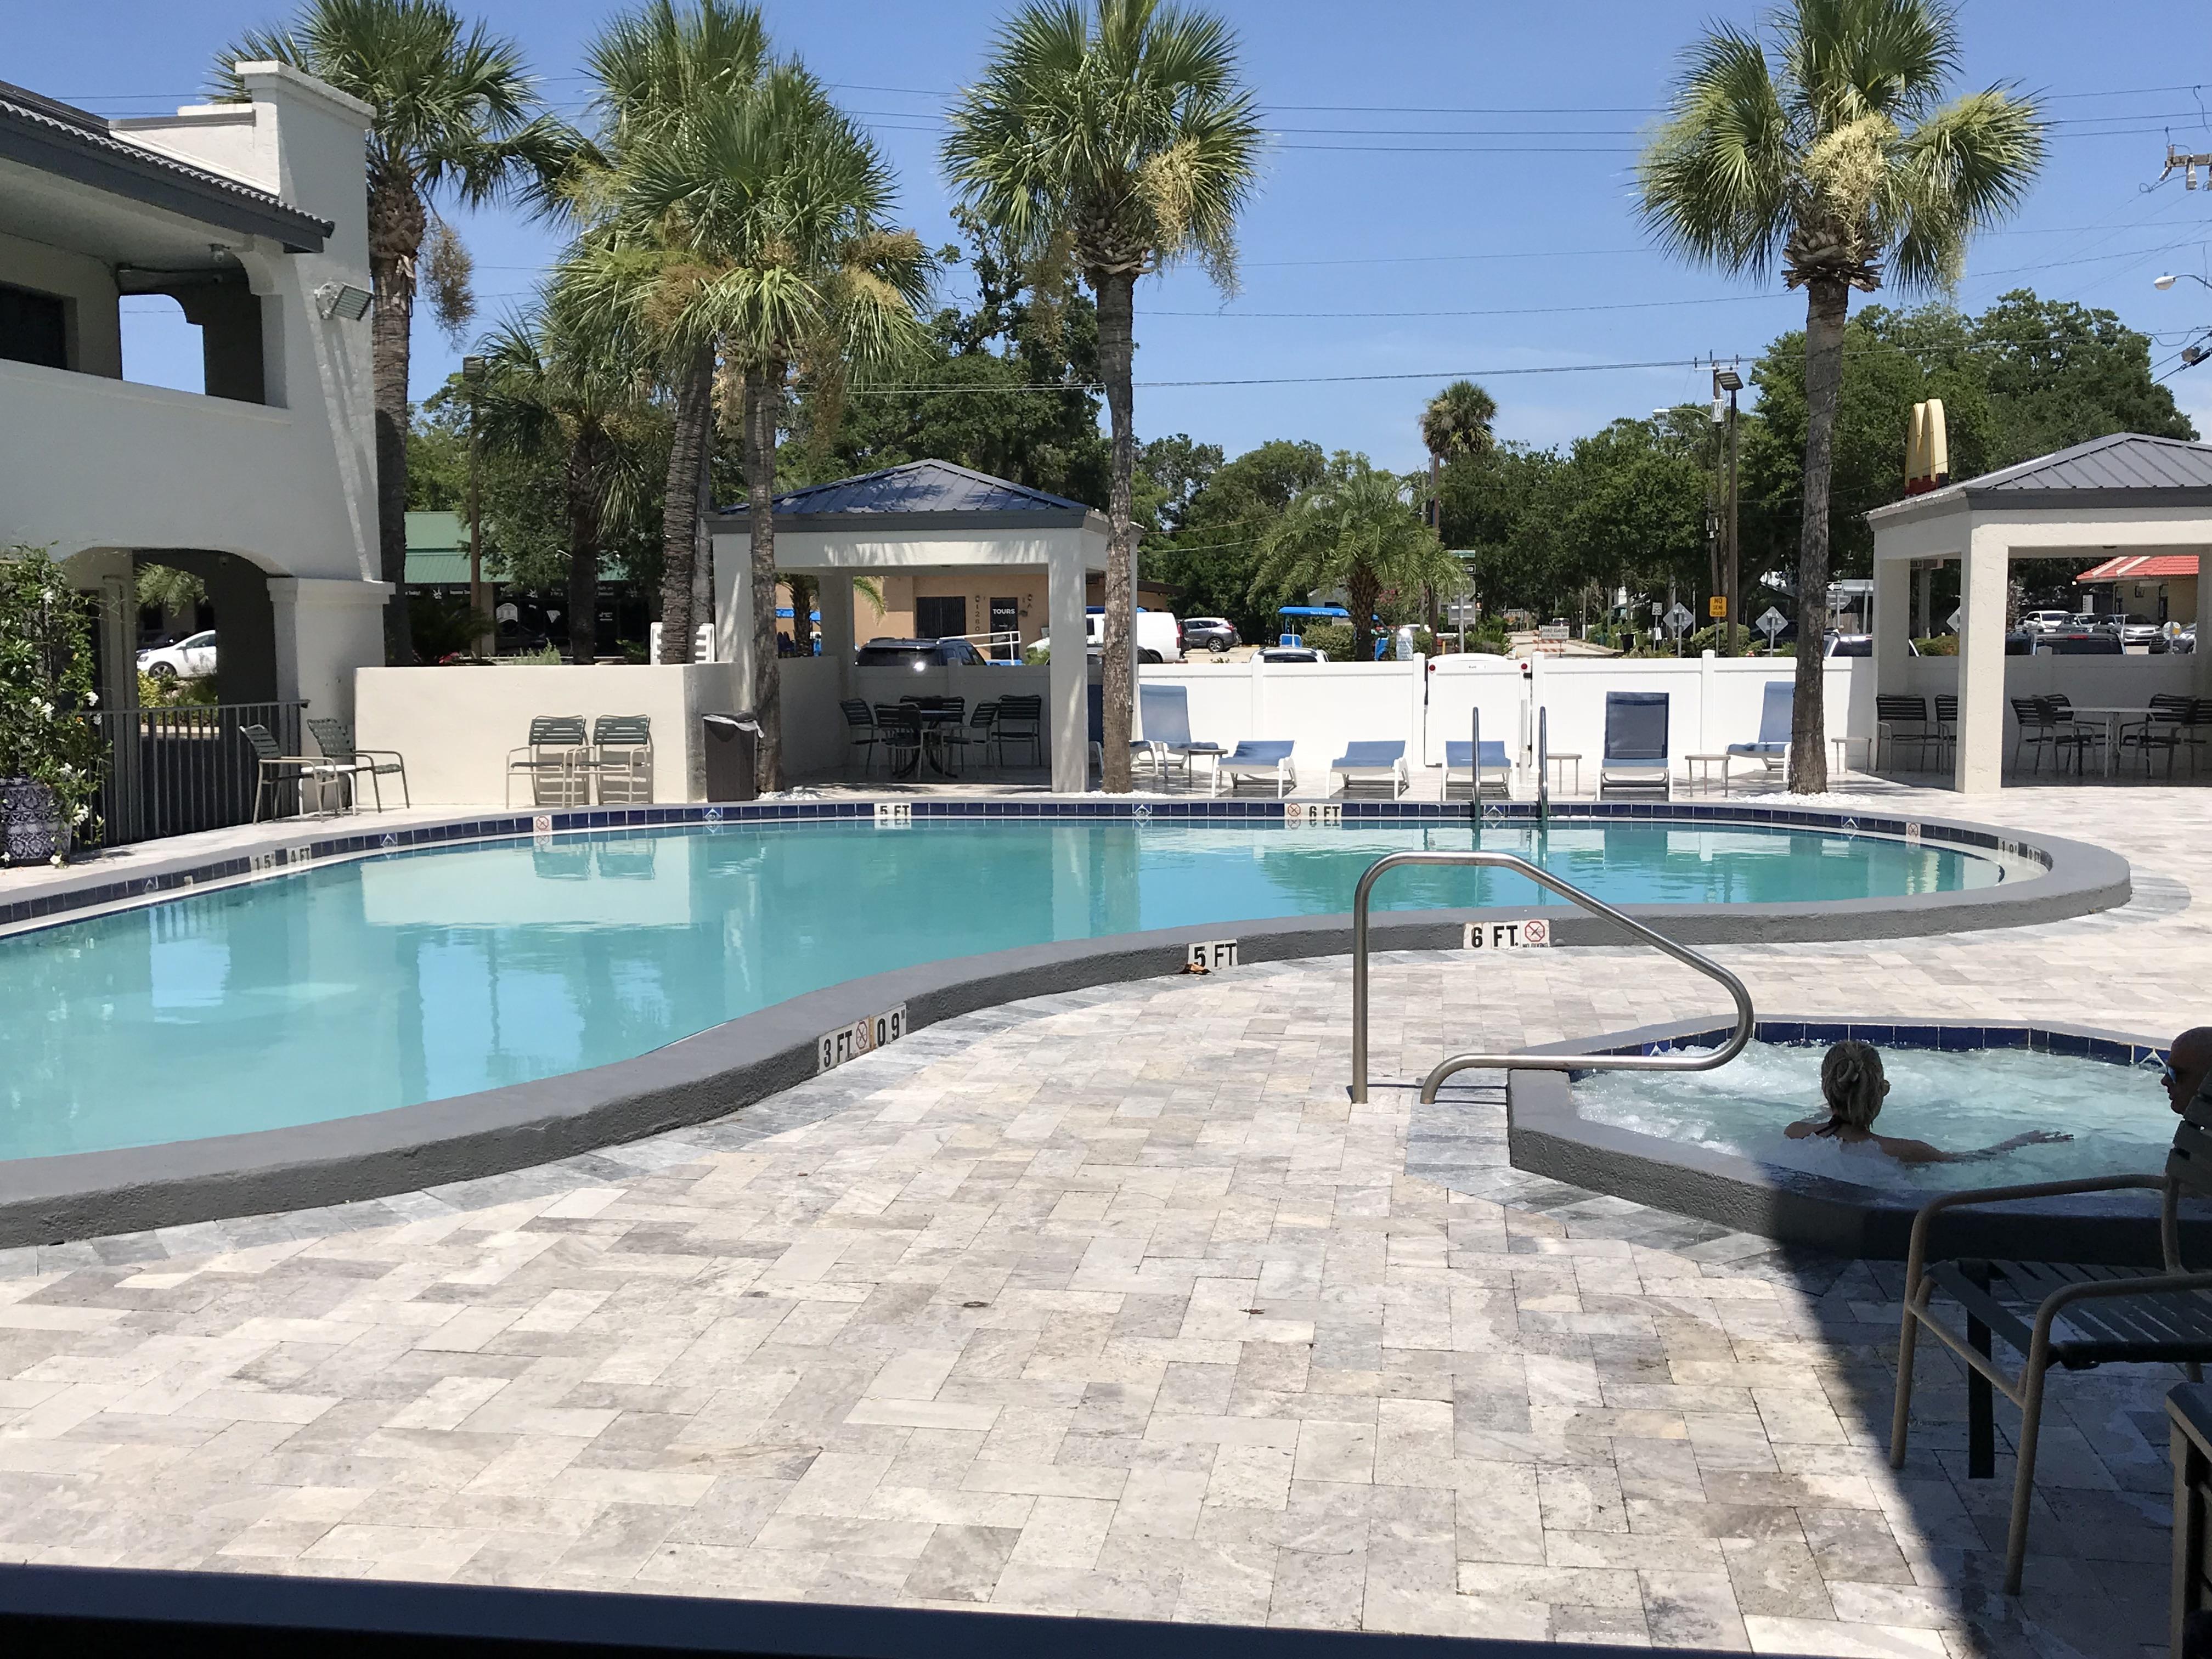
<point x="416" y="976"/>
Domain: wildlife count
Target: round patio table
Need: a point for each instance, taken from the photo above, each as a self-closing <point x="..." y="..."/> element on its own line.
<point x="2113" y="717"/>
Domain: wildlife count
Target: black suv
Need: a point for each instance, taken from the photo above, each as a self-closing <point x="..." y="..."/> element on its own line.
<point x="1216" y="634"/>
<point x="921" y="653"/>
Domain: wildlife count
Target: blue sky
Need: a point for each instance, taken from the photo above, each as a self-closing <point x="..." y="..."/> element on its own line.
<point x="1463" y="166"/>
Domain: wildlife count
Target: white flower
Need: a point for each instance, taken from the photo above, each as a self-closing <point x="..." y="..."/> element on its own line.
<point x="92" y="700"/>
<point x="56" y="860"/>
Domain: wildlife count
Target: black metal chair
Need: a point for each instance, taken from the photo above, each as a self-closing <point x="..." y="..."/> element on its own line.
<point x="1905" y="720"/>
<point x="1021" y="721"/>
<point x="335" y="739"/>
<point x="2170" y="716"/>
<point x="2111" y="1315"/>
<point x="2075" y="734"/>
<point x="860" y="732"/>
<point x="898" y="726"/>
<point x="1947" y="726"/>
<point x="2035" y="732"/>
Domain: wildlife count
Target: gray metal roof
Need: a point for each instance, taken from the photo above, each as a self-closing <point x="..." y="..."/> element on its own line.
<point x="2127" y="469"/>
<point x="73" y="143"/>
<point x="919" y="494"/>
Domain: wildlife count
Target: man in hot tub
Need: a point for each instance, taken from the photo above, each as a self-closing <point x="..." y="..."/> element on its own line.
<point x="2187" y="1064"/>
<point x="1852" y="1084"/>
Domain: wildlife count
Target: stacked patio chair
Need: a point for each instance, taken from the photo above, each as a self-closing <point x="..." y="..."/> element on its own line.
<point x="1902" y="720"/>
<point x="1021" y="721"/>
<point x="2057" y="1313"/>
<point x="859" y="731"/>
<point x="621" y="760"/>
<point x="898" y="726"/>
<point x="335" y="739"/>
<point x="555" y="761"/>
<point x="1376" y="762"/>
<point x="1636" y="761"/>
<point x="274" y="769"/>
<point x="1771" y="749"/>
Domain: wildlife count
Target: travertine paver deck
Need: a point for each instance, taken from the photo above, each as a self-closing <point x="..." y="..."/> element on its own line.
<point x="1111" y="1302"/>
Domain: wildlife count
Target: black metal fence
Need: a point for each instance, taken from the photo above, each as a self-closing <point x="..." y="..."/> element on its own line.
<point x="171" y="771"/>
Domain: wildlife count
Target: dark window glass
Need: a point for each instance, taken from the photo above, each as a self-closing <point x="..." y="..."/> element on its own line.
<point x="33" y="327"/>
<point x="935" y="617"/>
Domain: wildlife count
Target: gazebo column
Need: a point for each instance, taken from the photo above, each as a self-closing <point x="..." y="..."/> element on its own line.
<point x="834" y="594"/>
<point x="734" y="626"/>
<point x="2201" y="662"/>
<point x="1070" y="672"/>
<point x="1892" y="623"/>
<point x="1984" y="581"/>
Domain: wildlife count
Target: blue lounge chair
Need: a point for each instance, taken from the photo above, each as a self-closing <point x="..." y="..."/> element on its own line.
<point x="1257" y="757"/>
<point x="1373" y="762"/>
<point x="1772" y="749"/>
<point x="1166" y="713"/>
<point x="1493" y="777"/>
<point x="1636" y="760"/>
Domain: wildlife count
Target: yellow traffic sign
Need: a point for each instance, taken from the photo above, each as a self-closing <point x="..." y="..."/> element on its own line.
<point x="1716" y="606"/>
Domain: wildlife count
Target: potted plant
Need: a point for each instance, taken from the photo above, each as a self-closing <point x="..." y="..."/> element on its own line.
<point x="49" y="751"/>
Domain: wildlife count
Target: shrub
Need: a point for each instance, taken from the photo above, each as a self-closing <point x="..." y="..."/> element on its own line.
<point x="1943" y="645"/>
<point x="1333" y="637"/>
<point x="46" y="687"/>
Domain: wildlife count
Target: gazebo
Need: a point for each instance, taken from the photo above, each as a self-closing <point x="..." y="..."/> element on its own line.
<point x="953" y="551"/>
<point x="2126" y="493"/>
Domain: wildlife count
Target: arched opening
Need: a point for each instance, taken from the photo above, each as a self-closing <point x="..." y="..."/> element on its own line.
<point x="160" y="345"/>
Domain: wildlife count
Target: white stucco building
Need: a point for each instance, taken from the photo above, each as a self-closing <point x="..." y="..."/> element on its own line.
<point x="254" y="216"/>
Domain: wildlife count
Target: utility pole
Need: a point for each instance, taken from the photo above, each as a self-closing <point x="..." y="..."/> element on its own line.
<point x="486" y="645"/>
<point x="1728" y="381"/>
<point x="2188" y="164"/>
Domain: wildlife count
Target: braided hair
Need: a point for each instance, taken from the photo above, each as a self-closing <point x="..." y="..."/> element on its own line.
<point x="1852" y="1084"/>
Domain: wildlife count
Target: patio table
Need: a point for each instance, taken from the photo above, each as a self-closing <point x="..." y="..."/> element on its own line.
<point x="2113" y="717"/>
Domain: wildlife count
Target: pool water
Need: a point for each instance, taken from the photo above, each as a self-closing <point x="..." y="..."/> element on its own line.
<point x="415" y="977"/>
<point x="1956" y="1100"/>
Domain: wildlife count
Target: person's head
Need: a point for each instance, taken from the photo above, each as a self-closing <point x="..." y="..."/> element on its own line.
<point x="1852" y="1084"/>
<point x="2186" y="1064"/>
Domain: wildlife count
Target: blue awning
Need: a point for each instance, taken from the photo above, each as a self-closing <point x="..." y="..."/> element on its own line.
<point x="1313" y="610"/>
<point x="786" y="610"/>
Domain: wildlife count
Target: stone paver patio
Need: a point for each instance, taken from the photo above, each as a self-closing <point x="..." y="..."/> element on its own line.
<point x="1112" y="1303"/>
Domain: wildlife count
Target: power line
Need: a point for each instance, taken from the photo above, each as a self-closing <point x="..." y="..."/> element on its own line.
<point x="1057" y="387"/>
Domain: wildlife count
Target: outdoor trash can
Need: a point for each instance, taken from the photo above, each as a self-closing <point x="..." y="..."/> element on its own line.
<point x="731" y="742"/>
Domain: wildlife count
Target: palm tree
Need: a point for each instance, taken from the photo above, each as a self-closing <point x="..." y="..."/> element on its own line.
<point x="456" y="113"/>
<point x="1113" y="135"/>
<point x="558" y="382"/>
<point x="1456" y="422"/>
<point x="1358" y="529"/>
<point x="1830" y="155"/>
<point x="756" y="227"/>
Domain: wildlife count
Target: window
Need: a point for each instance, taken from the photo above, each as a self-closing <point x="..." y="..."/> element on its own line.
<point x="935" y="617"/>
<point x="33" y="327"/>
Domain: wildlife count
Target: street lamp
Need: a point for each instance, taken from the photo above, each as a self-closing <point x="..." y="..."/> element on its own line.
<point x="2174" y="276"/>
<point x="1728" y="381"/>
<point x="472" y="370"/>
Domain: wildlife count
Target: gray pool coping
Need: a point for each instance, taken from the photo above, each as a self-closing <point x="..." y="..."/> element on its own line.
<point x="1547" y="1136"/>
<point x="52" y="1199"/>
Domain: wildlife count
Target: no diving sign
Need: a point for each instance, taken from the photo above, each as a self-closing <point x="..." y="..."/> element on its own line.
<point x="1508" y="935"/>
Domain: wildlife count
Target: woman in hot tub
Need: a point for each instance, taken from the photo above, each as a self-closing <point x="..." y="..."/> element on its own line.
<point x="1852" y="1084"/>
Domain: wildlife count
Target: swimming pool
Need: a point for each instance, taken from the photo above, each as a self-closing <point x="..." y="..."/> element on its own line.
<point x="1957" y="1101"/>
<point x="362" y="987"/>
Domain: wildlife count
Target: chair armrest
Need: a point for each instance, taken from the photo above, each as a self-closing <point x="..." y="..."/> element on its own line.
<point x="387" y="754"/>
<point x="1922" y="1221"/>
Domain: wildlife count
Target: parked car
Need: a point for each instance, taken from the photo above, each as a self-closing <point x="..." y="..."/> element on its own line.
<point x="2136" y="629"/>
<point x="2088" y="621"/>
<point x="1294" y="654"/>
<point x="1159" y="638"/>
<point x="189" y="658"/>
<point x="2184" y="644"/>
<point x="1216" y="634"/>
<point x="919" y="654"/>
<point x="1858" y="645"/>
<point x="2087" y="642"/>
<point x="2046" y="622"/>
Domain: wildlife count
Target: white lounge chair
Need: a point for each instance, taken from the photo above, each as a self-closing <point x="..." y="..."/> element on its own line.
<point x="1373" y="762"/>
<point x="1771" y="751"/>
<point x="1636" y="761"/>
<point x="1494" y="776"/>
<point x="1257" y="757"/>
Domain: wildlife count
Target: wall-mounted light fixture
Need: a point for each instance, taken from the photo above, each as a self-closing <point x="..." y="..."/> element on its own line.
<point x="342" y="300"/>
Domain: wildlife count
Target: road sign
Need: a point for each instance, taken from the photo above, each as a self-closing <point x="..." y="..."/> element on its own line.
<point x="1716" y="606"/>
<point x="1679" y="618"/>
<point x="1771" y="621"/>
<point x="1953" y="620"/>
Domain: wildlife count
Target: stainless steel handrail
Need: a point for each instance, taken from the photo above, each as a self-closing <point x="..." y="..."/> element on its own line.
<point x="1542" y="878"/>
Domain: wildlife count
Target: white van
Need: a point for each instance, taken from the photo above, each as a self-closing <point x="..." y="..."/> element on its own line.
<point x="1159" y="637"/>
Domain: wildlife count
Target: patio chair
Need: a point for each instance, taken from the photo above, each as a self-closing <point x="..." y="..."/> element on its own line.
<point x="1021" y="721"/>
<point x="982" y="721"/>
<point x="1373" y="762"/>
<point x="1257" y="757"/>
<point x="1636" y="760"/>
<point x="898" y="725"/>
<point x="550" y="760"/>
<point x="2074" y="733"/>
<point x="1493" y="778"/>
<point x="274" y="769"/>
<point x="1903" y="720"/>
<point x="1166" y="713"/>
<point x="335" y="739"/>
<point x="2036" y="731"/>
<point x="2169" y="717"/>
<point x="1095" y="708"/>
<point x="1947" y="726"/>
<point x="859" y="731"/>
<point x="622" y="759"/>
<point x="2058" y="1313"/>
<point x="1772" y="748"/>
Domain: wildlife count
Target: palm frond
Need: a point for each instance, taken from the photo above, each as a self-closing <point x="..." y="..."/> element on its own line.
<point x="1965" y="168"/>
<point x="1714" y="183"/>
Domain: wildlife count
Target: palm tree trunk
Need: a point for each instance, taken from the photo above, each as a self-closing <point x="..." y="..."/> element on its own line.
<point x="679" y="508"/>
<point x="1361" y="590"/>
<point x="1826" y="301"/>
<point x="396" y="224"/>
<point x="1117" y="305"/>
<point x="587" y="457"/>
<point x="763" y="414"/>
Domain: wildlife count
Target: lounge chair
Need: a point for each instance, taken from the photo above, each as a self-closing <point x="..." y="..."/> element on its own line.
<point x="550" y="760"/>
<point x="2057" y="1313"/>
<point x="1772" y="750"/>
<point x="1166" y="711"/>
<point x="622" y="759"/>
<point x="274" y="769"/>
<point x="1636" y="761"/>
<point x="1377" y="762"/>
<point x="1257" y="757"/>
<point x="1493" y="777"/>
<point x="335" y="739"/>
